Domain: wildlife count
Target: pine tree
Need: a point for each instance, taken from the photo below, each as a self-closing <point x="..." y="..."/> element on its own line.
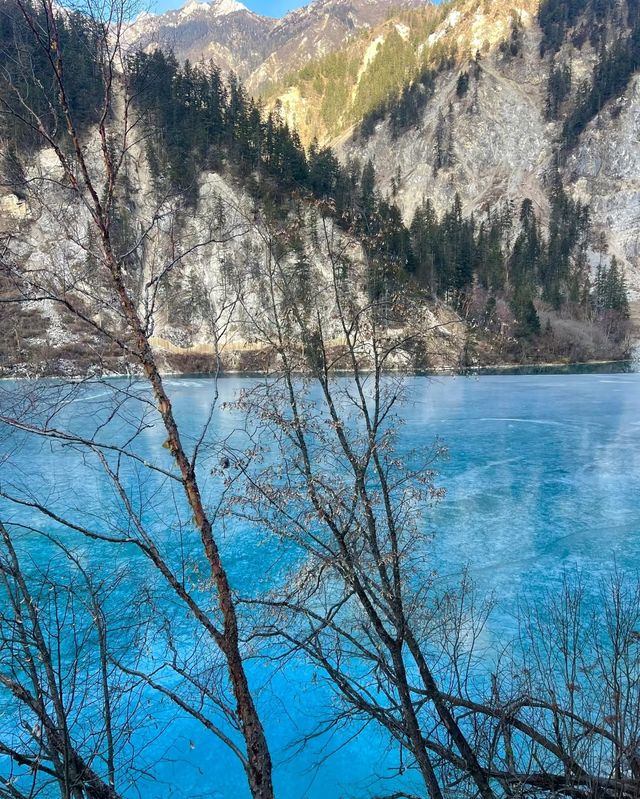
<point x="528" y="321"/>
<point x="610" y="291"/>
<point x="368" y="199"/>
<point x="462" y="86"/>
<point x="558" y="88"/>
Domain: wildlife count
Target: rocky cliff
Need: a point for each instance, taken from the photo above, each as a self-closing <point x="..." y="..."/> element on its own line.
<point x="200" y="277"/>
<point x="487" y="105"/>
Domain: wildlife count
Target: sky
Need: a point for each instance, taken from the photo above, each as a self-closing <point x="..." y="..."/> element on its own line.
<point x="268" y="8"/>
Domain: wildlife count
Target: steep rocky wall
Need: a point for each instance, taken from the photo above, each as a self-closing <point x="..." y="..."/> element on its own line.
<point x="200" y="275"/>
<point x="503" y="148"/>
<point x="501" y="142"/>
<point x="604" y="169"/>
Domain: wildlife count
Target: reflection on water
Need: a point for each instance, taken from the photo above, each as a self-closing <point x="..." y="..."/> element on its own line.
<point x="594" y="368"/>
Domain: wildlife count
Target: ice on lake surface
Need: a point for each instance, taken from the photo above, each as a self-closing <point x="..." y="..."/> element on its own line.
<point x="543" y="475"/>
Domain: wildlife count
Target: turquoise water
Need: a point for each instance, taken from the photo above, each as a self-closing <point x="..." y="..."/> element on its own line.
<point x="543" y="475"/>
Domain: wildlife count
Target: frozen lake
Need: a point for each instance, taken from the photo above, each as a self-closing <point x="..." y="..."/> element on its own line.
<point x="543" y="475"/>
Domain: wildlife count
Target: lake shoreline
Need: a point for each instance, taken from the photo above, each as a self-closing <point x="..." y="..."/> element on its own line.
<point x="506" y="369"/>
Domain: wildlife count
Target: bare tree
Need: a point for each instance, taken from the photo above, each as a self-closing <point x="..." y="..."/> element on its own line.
<point x="555" y="713"/>
<point x="88" y="178"/>
<point x="338" y="490"/>
<point x="72" y="714"/>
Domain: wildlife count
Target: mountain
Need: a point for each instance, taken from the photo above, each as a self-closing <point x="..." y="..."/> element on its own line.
<point x="486" y="100"/>
<point x="316" y="30"/>
<point x="485" y="163"/>
<point x="331" y="95"/>
<point x="224" y="31"/>
<point x="260" y="50"/>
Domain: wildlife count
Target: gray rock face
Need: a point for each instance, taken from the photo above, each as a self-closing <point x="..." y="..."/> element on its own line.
<point x="503" y="149"/>
<point x="200" y="278"/>
<point x="501" y="143"/>
<point x="605" y="170"/>
<point x="223" y="31"/>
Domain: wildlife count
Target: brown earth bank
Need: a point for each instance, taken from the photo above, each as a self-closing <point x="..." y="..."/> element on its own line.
<point x="28" y="350"/>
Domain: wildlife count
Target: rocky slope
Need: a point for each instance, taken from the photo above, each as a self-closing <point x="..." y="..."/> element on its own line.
<point x="504" y="149"/>
<point x="502" y="145"/>
<point x="199" y="276"/>
<point x="390" y="56"/>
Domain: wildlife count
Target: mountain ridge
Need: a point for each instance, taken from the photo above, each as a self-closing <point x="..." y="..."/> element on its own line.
<point x="259" y="49"/>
